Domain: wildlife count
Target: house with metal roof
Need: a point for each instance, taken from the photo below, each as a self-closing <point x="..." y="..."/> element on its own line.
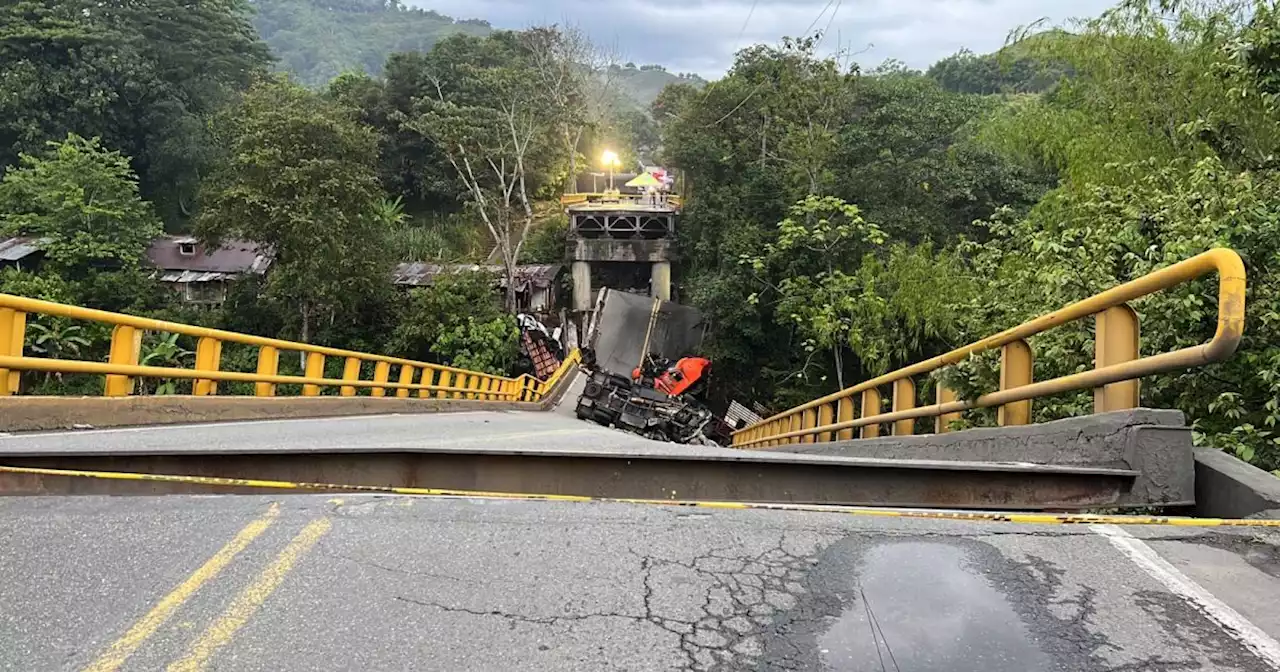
<point x="22" y="253"/>
<point x="535" y="283"/>
<point x="200" y="275"/>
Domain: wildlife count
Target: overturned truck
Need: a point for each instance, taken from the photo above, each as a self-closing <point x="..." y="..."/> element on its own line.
<point x="642" y="376"/>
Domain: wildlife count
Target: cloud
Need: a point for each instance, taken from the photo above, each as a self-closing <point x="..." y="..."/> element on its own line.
<point x="702" y="35"/>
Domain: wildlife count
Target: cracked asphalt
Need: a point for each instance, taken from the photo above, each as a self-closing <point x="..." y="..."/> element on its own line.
<point x="397" y="583"/>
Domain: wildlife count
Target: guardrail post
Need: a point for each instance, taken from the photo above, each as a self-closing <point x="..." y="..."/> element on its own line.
<point x="793" y="426"/>
<point x="268" y="365"/>
<point x="350" y="371"/>
<point x="808" y="421"/>
<point x="427" y="376"/>
<point x="208" y="358"/>
<point x="1116" y="341"/>
<point x="406" y="378"/>
<point x="904" y="399"/>
<point x="844" y="413"/>
<point x="445" y="377"/>
<point x="315" y="369"/>
<point x="526" y="388"/>
<point x="126" y="346"/>
<point x="381" y="372"/>
<point x="870" y="406"/>
<point x="1015" y="371"/>
<point x="942" y="423"/>
<point x="13" y="334"/>
<point x="825" y="414"/>
<point x="461" y="380"/>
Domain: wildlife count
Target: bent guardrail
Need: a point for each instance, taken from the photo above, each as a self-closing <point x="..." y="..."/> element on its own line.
<point x="1114" y="377"/>
<point x="122" y="368"/>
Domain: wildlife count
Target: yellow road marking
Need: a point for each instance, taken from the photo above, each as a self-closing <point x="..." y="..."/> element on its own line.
<point x="147" y="625"/>
<point x="882" y="512"/>
<point x="250" y="599"/>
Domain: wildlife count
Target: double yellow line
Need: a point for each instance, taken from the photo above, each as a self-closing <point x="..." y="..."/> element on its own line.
<point x="241" y="609"/>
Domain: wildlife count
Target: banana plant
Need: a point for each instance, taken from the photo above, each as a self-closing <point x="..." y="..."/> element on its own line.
<point x="164" y="351"/>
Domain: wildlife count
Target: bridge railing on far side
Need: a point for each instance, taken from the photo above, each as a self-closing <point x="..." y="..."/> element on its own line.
<point x="122" y="368"/>
<point x="1114" y="378"/>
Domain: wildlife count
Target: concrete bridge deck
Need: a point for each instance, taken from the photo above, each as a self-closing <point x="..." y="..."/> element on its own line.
<point x="351" y="581"/>
<point x="379" y="583"/>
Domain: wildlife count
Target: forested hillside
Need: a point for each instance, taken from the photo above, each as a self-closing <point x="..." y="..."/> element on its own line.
<point x="317" y="40"/>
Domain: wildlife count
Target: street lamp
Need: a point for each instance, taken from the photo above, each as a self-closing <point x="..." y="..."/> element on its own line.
<point x="610" y="160"/>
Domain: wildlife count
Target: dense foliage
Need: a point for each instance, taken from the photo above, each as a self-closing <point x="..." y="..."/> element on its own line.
<point x="1153" y="139"/>
<point x="300" y="177"/>
<point x="784" y="142"/>
<point x="142" y="76"/>
<point x="317" y="41"/>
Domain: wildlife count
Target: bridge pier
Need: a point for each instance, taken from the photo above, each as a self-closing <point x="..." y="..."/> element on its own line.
<point x="581" y="286"/>
<point x="660" y="283"/>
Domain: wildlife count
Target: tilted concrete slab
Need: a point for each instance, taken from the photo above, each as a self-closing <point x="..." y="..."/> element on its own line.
<point x="1154" y="443"/>
<point x="1229" y="488"/>
<point x="536" y="453"/>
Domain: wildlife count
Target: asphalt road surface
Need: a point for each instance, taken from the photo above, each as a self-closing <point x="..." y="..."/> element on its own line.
<point x="465" y="430"/>
<point x="306" y="583"/>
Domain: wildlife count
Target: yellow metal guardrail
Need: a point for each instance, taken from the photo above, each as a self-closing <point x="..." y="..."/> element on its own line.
<point x="122" y="367"/>
<point x="1117" y="365"/>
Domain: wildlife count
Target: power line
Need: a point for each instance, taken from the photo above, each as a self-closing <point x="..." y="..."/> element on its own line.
<point x="743" y="31"/>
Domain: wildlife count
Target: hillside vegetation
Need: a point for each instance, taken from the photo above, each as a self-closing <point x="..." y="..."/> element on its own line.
<point x="317" y="40"/>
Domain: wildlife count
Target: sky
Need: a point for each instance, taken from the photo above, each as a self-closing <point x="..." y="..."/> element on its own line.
<point x="702" y="35"/>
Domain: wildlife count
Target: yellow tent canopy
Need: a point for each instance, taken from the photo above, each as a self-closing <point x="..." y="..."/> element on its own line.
<point x="644" y="180"/>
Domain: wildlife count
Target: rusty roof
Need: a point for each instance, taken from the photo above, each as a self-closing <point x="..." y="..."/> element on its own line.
<point x="421" y="274"/>
<point x="234" y="257"/>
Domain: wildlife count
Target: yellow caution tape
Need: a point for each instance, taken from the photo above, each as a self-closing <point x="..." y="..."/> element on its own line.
<point x="988" y="516"/>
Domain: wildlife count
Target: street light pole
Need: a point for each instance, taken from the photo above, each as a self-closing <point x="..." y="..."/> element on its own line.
<point x="610" y="159"/>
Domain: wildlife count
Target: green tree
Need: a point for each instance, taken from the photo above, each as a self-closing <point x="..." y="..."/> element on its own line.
<point x="300" y="177"/>
<point x="411" y="166"/>
<point x="1165" y="137"/>
<point x="786" y="127"/>
<point x="491" y="116"/>
<point x="458" y="320"/>
<point x="81" y="201"/>
<point x="143" y="75"/>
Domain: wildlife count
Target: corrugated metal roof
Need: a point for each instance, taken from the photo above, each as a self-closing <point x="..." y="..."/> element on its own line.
<point x="743" y="415"/>
<point x="236" y="257"/>
<point x="185" y="277"/>
<point x="421" y="274"/>
<point x="17" y="249"/>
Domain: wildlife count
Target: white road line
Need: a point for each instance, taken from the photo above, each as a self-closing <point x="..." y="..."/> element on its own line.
<point x="234" y="423"/>
<point x="1248" y="634"/>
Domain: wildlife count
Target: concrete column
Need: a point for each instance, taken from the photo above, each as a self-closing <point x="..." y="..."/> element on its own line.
<point x="660" y="281"/>
<point x="581" y="286"/>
